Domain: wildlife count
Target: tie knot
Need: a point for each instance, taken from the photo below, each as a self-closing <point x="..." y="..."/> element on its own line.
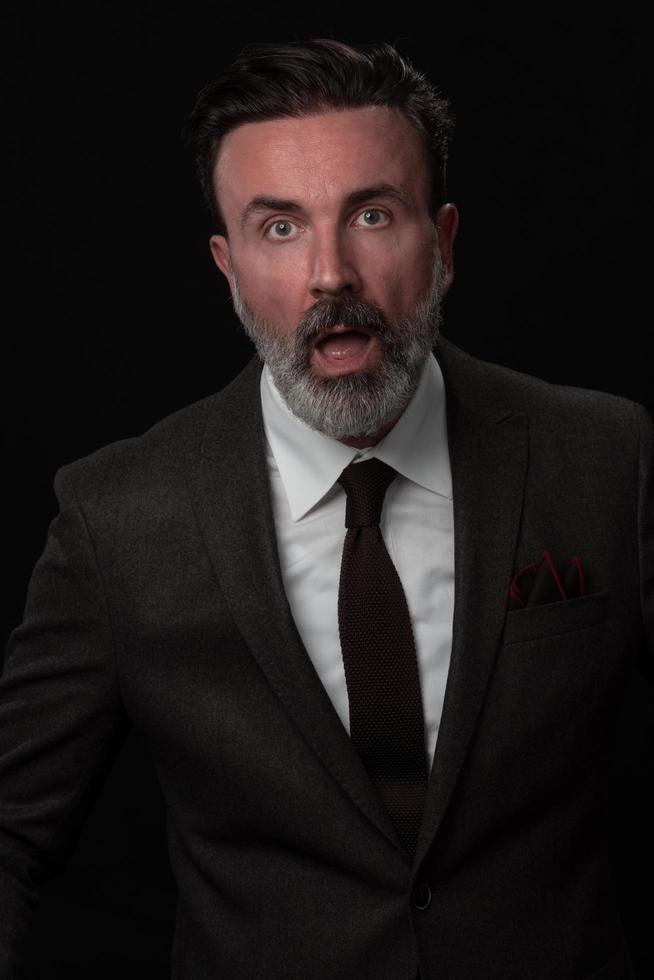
<point x="365" y="485"/>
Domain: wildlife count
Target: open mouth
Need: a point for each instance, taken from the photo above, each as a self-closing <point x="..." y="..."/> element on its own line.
<point x="342" y="349"/>
<point x="342" y="343"/>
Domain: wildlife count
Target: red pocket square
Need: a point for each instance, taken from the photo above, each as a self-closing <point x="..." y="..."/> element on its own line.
<point x="541" y="582"/>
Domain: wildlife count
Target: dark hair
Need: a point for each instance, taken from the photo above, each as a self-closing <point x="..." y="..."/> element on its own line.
<point x="298" y="78"/>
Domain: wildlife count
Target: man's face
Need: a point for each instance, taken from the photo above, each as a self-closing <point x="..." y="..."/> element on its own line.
<point x="333" y="259"/>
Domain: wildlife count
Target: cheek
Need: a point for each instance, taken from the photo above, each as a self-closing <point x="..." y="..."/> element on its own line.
<point x="398" y="277"/>
<point x="275" y="289"/>
<point x="421" y="273"/>
<point x="401" y="280"/>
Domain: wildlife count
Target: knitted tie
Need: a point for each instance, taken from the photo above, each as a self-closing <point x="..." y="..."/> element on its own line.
<point x="379" y="656"/>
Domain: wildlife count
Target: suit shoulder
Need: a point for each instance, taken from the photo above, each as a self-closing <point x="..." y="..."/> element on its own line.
<point x="552" y="403"/>
<point x="164" y="451"/>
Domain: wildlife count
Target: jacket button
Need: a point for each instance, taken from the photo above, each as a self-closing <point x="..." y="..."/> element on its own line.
<point x="421" y="896"/>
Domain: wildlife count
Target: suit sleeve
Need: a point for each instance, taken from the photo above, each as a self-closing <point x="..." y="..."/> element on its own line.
<point x="646" y="533"/>
<point x="61" y="720"/>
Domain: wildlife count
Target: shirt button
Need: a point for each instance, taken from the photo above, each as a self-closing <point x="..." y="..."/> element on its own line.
<point x="421" y="896"/>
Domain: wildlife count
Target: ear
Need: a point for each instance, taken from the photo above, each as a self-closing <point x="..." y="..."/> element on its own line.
<point x="221" y="256"/>
<point x="447" y="222"/>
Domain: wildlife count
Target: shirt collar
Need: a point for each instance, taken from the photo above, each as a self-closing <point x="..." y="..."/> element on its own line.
<point x="310" y="462"/>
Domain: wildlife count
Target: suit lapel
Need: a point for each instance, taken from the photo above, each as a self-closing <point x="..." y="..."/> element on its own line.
<point x="232" y="499"/>
<point x="488" y="446"/>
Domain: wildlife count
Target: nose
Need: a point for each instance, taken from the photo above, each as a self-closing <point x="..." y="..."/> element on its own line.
<point x="333" y="268"/>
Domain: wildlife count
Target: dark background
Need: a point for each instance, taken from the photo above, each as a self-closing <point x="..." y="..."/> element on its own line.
<point x="116" y="316"/>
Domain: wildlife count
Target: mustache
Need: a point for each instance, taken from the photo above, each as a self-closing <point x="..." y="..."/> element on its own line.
<point x="348" y="310"/>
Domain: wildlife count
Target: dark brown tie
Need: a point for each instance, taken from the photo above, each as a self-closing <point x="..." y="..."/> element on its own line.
<point x="379" y="656"/>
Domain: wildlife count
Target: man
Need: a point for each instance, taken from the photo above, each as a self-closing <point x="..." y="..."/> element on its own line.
<point x="382" y="747"/>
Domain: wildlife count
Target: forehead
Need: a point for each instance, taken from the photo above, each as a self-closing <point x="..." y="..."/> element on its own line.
<point x="319" y="158"/>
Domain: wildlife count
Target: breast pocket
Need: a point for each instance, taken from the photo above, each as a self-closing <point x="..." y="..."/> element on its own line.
<point x="554" y="618"/>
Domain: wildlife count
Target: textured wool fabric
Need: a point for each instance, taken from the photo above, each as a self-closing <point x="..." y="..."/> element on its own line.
<point x="379" y="656"/>
<point x="159" y="602"/>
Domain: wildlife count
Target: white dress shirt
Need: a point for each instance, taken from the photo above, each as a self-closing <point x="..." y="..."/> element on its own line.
<point x="417" y="526"/>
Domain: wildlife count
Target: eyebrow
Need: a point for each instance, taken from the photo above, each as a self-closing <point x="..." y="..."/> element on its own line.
<point x="263" y="202"/>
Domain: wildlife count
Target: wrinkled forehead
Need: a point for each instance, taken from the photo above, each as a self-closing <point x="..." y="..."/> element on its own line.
<point x="320" y="158"/>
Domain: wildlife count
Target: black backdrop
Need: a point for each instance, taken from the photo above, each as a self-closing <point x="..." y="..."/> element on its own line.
<point x="116" y="315"/>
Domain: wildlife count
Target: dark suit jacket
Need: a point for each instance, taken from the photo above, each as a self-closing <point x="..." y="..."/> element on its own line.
<point x="158" y="601"/>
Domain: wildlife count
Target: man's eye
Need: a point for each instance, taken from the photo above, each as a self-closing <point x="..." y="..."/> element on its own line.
<point x="372" y="217"/>
<point x="280" y="229"/>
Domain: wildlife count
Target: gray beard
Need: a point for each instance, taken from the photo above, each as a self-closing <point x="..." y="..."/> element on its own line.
<point x="359" y="404"/>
